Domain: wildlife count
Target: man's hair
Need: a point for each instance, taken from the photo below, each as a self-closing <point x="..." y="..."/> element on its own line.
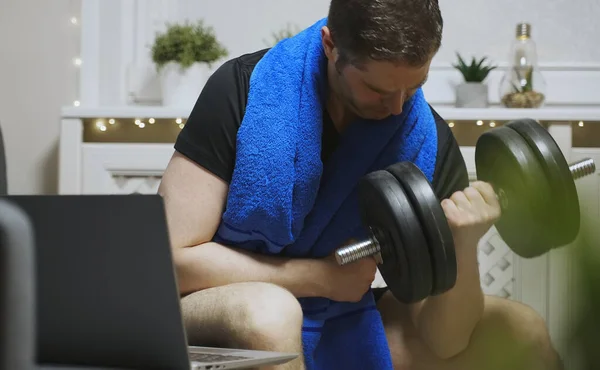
<point x="398" y="31"/>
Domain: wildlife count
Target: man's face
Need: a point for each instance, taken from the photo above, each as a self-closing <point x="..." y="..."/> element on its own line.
<point x="378" y="89"/>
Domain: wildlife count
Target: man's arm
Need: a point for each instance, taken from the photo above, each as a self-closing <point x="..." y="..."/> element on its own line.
<point x="446" y="322"/>
<point x="194" y="202"/>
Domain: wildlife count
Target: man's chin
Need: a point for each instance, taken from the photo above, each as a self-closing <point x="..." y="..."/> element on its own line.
<point x="376" y="116"/>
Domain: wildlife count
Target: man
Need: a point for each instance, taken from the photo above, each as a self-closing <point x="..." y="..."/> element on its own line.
<point x="376" y="56"/>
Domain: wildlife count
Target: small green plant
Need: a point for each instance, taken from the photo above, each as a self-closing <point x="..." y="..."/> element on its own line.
<point x="187" y="44"/>
<point x="525" y="82"/>
<point x="282" y="34"/>
<point x="474" y="72"/>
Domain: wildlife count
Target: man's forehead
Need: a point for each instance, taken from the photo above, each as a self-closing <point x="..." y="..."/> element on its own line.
<point x="388" y="76"/>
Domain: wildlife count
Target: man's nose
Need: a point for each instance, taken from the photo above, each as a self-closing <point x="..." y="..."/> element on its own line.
<point x="395" y="104"/>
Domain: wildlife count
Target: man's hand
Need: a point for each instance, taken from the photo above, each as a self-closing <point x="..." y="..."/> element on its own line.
<point x="350" y="282"/>
<point x="471" y="213"/>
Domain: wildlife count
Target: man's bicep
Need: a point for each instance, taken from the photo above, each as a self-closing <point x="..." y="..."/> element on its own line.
<point x="194" y="201"/>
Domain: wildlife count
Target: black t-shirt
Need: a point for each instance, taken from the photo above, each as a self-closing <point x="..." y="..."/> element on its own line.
<point x="209" y="136"/>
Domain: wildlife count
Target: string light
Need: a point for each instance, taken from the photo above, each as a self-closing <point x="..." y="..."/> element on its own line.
<point x="580" y="123"/>
<point x="100" y="125"/>
<point x="492" y="124"/>
<point x="77" y="61"/>
<point x="104" y="123"/>
<point x="480" y="123"/>
<point x="451" y="124"/>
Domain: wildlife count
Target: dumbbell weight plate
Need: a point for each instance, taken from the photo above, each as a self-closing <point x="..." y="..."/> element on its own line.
<point x="385" y="208"/>
<point x="433" y="223"/>
<point x="562" y="208"/>
<point x="505" y="160"/>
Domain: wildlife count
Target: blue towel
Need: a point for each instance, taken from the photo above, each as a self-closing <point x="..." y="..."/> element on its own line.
<point x="284" y="201"/>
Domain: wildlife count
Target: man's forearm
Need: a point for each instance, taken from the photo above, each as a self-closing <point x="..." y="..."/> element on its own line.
<point x="447" y="321"/>
<point x="211" y="265"/>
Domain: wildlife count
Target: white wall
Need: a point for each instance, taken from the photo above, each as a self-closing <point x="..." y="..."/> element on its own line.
<point x="36" y="78"/>
<point x="563" y="31"/>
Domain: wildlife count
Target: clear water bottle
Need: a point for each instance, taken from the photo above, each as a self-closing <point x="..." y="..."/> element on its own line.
<point x="523" y="85"/>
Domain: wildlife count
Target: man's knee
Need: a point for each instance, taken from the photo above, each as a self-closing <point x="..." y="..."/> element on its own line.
<point x="520" y="331"/>
<point x="246" y="315"/>
<point x="269" y="315"/>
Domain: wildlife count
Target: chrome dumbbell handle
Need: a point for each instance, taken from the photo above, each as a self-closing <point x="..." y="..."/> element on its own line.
<point x="582" y="168"/>
<point x="358" y="250"/>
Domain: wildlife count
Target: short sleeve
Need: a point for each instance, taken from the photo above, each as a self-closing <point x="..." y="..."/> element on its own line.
<point x="209" y="135"/>
<point x="451" y="174"/>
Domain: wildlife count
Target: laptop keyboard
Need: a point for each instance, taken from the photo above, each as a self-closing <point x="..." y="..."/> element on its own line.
<point x="211" y="357"/>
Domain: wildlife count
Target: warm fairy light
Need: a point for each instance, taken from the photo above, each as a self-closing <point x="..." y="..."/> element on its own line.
<point x="151" y="121"/>
<point x="138" y="122"/>
<point x="492" y="124"/>
<point x="178" y="121"/>
<point x="142" y="125"/>
<point x="480" y="123"/>
<point x="74" y="20"/>
<point x="76" y="103"/>
<point x="451" y="124"/>
<point x="111" y="121"/>
<point x="77" y="61"/>
<point x="580" y="123"/>
<point x="100" y="125"/>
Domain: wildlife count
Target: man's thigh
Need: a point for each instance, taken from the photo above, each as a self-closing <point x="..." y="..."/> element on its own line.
<point x="244" y="315"/>
<point x="509" y="336"/>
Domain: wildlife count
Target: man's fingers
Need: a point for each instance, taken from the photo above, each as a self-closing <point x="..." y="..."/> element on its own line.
<point x="450" y="209"/>
<point x="487" y="192"/>
<point x="461" y="200"/>
<point x="475" y="197"/>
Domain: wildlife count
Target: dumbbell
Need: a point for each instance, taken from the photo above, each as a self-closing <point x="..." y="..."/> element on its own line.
<point x="409" y="234"/>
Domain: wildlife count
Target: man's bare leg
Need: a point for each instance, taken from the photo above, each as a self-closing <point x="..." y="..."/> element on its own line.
<point x="256" y="316"/>
<point x="510" y="336"/>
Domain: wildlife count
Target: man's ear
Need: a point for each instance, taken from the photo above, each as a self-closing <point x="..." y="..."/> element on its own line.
<point x="328" y="44"/>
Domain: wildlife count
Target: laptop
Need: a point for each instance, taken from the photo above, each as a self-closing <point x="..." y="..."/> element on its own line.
<point x="107" y="295"/>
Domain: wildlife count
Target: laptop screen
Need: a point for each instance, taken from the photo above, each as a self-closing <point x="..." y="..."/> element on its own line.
<point x="106" y="288"/>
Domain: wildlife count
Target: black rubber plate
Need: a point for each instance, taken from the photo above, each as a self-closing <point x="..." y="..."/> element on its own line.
<point x="433" y="223"/>
<point x="505" y="160"/>
<point x="386" y="209"/>
<point x="562" y="208"/>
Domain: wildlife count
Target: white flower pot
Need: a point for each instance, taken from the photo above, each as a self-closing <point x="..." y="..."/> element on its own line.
<point x="181" y="87"/>
<point x="472" y="95"/>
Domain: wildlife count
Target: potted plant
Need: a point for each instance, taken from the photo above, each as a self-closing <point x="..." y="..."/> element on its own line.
<point x="520" y="90"/>
<point x="472" y="92"/>
<point x="184" y="55"/>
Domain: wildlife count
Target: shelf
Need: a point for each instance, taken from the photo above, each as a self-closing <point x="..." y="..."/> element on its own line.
<point x="449" y="113"/>
<point x="567" y="113"/>
<point x="133" y="112"/>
